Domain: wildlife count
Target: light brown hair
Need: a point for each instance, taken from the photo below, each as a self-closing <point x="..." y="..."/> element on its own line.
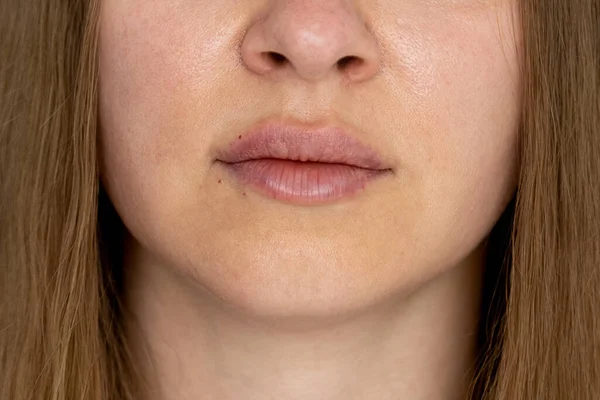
<point x="61" y="333"/>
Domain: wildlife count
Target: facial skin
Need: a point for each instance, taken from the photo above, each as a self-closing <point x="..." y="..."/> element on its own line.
<point x="437" y="96"/>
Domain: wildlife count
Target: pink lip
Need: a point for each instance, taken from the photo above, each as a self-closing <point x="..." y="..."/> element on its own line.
<point x="302" y="165"/>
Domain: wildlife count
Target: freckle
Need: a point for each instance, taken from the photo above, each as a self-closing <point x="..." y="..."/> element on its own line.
<point x="244" y="193"/>
<point x="239" y="137"/>
<point x="220" y="181"/>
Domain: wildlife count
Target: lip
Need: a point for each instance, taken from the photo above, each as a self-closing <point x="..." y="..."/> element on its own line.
<point x="302" y="165"/>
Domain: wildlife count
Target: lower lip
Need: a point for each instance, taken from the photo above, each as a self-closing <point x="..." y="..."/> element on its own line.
<point x="303" y="183"/>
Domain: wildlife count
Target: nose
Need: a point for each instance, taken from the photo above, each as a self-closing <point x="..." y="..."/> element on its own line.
<point x="312" y="38"/>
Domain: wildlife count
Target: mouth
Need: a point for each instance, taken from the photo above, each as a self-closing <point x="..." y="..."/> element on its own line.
<point x="302" y="166"/>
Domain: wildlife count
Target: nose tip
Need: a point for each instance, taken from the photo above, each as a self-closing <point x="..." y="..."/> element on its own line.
<point x="312" y="39"/>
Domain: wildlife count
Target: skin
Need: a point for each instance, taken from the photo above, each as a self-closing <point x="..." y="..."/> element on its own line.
<point x="238" y="296"/>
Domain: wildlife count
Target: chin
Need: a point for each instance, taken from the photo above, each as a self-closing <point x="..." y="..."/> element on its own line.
<point x="282" y="277"/>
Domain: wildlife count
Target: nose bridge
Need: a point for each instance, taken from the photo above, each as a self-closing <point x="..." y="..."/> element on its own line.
<point x="314" y="37"/>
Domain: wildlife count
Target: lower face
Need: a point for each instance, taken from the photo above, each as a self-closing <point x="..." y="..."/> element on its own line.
<point x="442" y="110"/>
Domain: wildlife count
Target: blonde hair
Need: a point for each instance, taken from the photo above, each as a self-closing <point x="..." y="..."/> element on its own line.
<point x="61" y="333"/>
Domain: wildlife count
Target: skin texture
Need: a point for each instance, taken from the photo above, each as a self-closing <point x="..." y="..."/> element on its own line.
<point x="373" y="297"/>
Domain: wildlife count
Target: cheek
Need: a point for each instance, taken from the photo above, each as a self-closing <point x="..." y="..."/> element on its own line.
<point x="148" y="101"/>
<point x="474" y="125"/>
<point x="477" y="118"/>
<point x="459" y="110"/>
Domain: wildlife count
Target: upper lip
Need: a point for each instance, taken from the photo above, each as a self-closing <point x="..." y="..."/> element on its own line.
<point x="324" y="144"/>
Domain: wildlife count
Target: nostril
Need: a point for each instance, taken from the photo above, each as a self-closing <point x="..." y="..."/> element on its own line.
<point x="276" y="58"/>
<point x="344" y="62"/>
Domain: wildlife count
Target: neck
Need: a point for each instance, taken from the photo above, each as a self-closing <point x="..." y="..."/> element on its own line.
<point x="420" y="344"/>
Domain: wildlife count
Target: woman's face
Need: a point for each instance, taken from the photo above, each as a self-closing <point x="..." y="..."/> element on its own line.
<point x="432" y="89"/>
